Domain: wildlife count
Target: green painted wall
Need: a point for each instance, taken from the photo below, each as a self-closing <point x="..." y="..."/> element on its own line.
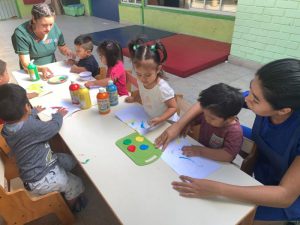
<point x="130" y="14"/>
<point x="87" y="7"/>
<point x="24" y="10"/>
<point x="211" y="26"/>
<point x="267" y="30"/>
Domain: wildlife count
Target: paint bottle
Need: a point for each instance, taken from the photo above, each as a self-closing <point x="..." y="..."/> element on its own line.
<point x="103" y="101"/>
<point x="84" y="98"/>
<point x="33" y="71"/>
<point x="112" y="90"/>
<point x="74" y="92"/>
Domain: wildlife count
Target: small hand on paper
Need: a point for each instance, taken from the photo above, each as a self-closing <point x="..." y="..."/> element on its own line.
<point x="154" y="121"/>
<point x="62" y="111"/>
<point x="39" y="108"/>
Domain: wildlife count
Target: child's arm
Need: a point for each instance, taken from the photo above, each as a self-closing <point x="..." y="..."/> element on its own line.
<point x="171" y="109"/>
<point x="77" y="69"/>
<point x="46" y="130"/>
<point x="135" y="97"/>
<point x="219" y="154"/>
<point x="232" y="145"/>
<point x="102" y="83"/>
<point x="174" y="130"/>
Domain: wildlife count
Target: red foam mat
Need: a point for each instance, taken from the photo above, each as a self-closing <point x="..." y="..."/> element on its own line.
<point x="188" y="54"/>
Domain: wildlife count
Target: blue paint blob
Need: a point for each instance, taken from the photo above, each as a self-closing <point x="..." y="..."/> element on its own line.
<point x="144" y="147"/>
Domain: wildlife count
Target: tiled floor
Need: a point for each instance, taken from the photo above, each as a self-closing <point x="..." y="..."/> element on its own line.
<point x="96" y="211"/>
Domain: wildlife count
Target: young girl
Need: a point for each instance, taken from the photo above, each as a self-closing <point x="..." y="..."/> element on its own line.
<point x="274" y="98"/>
<point x="110" y="54"/>
<point x="157" y="96"/>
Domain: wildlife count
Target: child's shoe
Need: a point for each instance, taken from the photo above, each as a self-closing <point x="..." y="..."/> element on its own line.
<point x="80" y="204"/>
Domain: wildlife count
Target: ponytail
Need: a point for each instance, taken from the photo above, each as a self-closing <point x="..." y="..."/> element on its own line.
<point x="140" y="51"/>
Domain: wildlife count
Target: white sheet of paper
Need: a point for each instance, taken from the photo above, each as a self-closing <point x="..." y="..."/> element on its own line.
<point x="135" y="117"/>
<point x="52" y="107"/>
<point x="196" y="167"/>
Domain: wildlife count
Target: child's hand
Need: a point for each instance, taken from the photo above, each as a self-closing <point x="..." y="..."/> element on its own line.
<point x="32" y="95"/>
<point x="62" y="111"/>
<point x="190" y="151"/>
<point x="153" y="122"/>
<point x="129" y="99"/>
<point x="70" y="62"/>
<point x="89" y="84"/>
<point x="74" y="68"/>
<point x="167" y="136"/>
<point x="39" y="108"/>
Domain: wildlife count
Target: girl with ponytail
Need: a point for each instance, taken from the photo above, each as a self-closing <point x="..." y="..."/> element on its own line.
<point x="156" y="95"/>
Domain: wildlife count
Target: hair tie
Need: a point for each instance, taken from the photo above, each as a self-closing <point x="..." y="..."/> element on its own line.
<point x="135" y="47"/>
<point x="153" y="48"/>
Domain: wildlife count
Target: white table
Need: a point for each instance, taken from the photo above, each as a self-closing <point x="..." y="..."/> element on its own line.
<point x="138" y="195"/>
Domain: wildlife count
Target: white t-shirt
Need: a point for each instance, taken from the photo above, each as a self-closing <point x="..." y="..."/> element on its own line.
<point x="154" y="99"/>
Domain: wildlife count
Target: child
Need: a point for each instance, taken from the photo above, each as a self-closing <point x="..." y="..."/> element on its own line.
<point x="110" y="54"/>
<point x="40" y="170"/>
<point x="157" y="96"/>
<point x="4" y="78"/>
<point x="220" y="132"/>
<point x="87" y="62"/>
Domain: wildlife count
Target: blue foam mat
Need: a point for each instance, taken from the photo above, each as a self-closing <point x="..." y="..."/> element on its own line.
<point x="125" y="34"/>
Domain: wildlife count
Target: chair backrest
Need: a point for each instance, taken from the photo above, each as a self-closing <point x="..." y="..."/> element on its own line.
<point x="249" y="154"/>
<point x="3" y="145"/>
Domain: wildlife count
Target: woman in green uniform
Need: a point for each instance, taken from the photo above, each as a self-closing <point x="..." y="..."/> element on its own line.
<point x="38" y="39"/>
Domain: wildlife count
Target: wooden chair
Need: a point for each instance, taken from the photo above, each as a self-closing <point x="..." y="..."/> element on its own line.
<point x="18" y="207"/>
<point x="247" y="155"/>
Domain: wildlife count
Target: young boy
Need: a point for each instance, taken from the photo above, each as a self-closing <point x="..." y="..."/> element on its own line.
<point x="27" y="136"/>
<point x="87" y="62"/>
<point x="220" y="131"/>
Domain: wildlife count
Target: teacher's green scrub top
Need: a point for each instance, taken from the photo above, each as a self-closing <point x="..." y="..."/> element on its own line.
<point x="25" y="42"/>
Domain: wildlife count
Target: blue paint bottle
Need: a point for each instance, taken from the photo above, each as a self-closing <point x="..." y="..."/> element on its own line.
<point x="113" y="93"/>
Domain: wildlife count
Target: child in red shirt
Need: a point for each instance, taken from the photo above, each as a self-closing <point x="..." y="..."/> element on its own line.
<point x="110" y="54"/>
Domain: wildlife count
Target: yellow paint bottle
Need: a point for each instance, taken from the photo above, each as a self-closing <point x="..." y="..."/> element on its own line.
<point x="84" y="98"/>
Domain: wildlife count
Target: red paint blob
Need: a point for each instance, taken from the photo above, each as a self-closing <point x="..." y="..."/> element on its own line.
<point x="131" y="148"/>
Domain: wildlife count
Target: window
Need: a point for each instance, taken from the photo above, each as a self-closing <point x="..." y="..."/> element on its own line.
<point x="220" y="5"/>
<point x="216" y="5"/>
<point x="131" y="1"/>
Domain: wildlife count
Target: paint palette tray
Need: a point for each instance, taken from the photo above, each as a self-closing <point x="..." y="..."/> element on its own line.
<point x="139" y="149"/>
<point x="58" y="79"/>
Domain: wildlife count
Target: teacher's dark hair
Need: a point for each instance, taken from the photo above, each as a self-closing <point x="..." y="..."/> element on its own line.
<point x="42" y="10"/>
<point x="280" y="82"/>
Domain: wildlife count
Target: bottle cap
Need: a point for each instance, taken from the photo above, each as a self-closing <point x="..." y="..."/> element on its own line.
<point x="102" y="90"/>
<point x="110" y="82"/>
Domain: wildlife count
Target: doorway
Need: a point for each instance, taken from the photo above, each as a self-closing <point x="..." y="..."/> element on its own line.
<point x="106" y="9"/>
